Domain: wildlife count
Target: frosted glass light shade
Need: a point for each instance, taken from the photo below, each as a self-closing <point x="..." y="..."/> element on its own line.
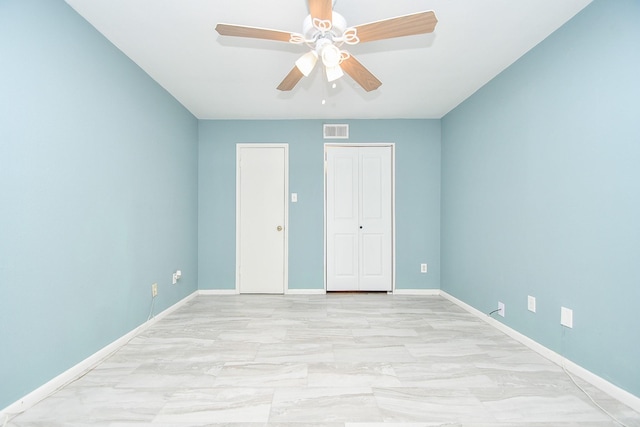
<point x="334" y="73"/>
<point x="330" y="55"/>
<point x="306" y="62"/>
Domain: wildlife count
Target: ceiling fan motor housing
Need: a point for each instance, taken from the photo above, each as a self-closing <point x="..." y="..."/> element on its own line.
<point x="335" y="28"/>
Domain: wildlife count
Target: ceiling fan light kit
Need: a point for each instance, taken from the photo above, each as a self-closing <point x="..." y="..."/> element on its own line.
<point x="324" y="31"/>
<point x="333" y="73"/>
<point x="331" y="56"/>
<point x="306" y="62"/>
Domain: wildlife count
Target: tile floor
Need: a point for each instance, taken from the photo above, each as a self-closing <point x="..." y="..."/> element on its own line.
<point x="332" y="360"/>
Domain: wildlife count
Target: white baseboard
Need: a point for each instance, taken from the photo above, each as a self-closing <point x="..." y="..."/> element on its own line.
<point x="614" y="391"/>
<point x="84" y="366"/>
<point x="422" y="292"/>
<point x="218" y="292"/>
<point x="305" y="292"/>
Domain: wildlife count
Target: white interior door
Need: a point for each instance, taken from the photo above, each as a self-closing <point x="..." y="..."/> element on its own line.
<point x="262" y="215"/>
<point x="359" y="227"/>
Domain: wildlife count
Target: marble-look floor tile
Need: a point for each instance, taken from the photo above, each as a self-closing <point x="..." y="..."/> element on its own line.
<point x="328" y="334"/>
<point x="332" y="360"/>
<point x="328" y="404"/>
<point x="76" y="404"/>
<point x="273" y="323"/>
<point x="307" y="352"/>
<point x="392" y="424"/>
<point x="385" y="332"/>
<point x="171" y="375"/>
<point x="227" y="404"/>
<point x="426" y="351"/>
<point x="443" y="374"/>
<point x="380" y="352"/>
<point x="528" y="408"/>
<point x="266" y="336"/>
<point x="108" y="374"/>
<point x="262" y="375"/>
<point x="352" y="375"/>
<point x="346" y="322"/>
<point x="417" y="404"/>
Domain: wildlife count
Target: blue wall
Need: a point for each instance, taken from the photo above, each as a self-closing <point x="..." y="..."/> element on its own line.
<point x="417" y="196"/>
<point x="98" y="191"/>
<point x="541" y="192"/>
<point x="108" y="185"/>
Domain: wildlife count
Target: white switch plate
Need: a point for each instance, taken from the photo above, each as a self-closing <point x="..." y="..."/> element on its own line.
<point x="294" y="197"/>
<point x="423" y="268"/>
<point x="531" y="303"/>
<point x="566" y="317"/>
<point x="501" y="308"/>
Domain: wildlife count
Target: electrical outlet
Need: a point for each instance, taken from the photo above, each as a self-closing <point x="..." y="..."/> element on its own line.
<point x="501" y="308"/>
<point x="531" y="303"/>
<point x="566" y="317"/>
<point x="176" y="276"/>
<point x="423" y="268"/>
<point x="154" y="290"/>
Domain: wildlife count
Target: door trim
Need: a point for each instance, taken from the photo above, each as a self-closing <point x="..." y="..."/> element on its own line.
<point x="285" y="146"/>
<point x="393" y="203"/>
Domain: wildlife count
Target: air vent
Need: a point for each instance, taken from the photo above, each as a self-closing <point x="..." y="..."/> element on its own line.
<point x="335" y="131"/>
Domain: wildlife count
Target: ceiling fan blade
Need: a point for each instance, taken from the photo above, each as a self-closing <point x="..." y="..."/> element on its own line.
<point x="360" y="74"/>
<point x="291" y="80"/>
<point x="407" y="25"/>
<point x="320" y="9"/>
<point x="252" y="32"/>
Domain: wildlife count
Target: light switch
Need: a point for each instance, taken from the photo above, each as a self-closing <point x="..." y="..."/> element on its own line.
<point x="294" y="197"/>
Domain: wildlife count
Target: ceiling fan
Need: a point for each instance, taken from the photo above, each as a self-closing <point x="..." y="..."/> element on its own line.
<point x="325" y="31"/>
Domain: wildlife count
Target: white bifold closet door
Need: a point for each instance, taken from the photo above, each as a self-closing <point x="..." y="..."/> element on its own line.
<point x="359" y="241"/>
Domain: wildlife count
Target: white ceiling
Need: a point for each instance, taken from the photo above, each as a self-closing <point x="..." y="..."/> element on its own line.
<point x="422" y="76"/>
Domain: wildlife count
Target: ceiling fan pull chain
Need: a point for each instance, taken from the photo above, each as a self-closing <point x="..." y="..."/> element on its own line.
<point x="323" y="25"/>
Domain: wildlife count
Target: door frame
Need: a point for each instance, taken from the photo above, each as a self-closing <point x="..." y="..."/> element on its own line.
<point x="285" y="146"/>
<point x="393" y="203"/>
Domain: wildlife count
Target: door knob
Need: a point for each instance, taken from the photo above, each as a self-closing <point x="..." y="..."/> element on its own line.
<point x="279" y="228"/>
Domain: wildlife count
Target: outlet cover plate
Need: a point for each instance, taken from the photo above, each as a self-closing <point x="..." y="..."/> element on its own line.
<point x="501" y="308"/>
<point x="423" y="268"/>
<point x="566" y="317"/>
<point x="531" y="303"/>
<point x="154" y="290"/>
